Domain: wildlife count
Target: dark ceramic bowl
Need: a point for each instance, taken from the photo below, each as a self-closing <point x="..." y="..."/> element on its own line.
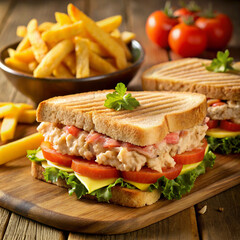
<point x="39" y="89"/>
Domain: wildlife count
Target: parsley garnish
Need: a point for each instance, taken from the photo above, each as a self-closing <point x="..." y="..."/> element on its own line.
<point x="223" y="63"/>
<point x="119" y="100"/>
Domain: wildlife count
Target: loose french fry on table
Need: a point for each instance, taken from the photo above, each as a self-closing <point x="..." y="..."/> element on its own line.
<point x="17" y="149"/>
<point x="39" y="47"/>
<point x="21" y="31"/>
<point x="45" y="26"/>
<point x="25" y="55"/>
<point x="24" y="44"/>
<point x="99" y="64"/>
<point x="127" y="37"/>
<point x="63" y="32"/>
<point x="99" y="35"/>
<point x="70" y="62"/>
<point x="53" y="58"/>
<point x="82" y="57"/>
<point x="27" y="116"/>
<point x="110" y="23"/>
<point x="16" y="64"/>
<point x="62" y="72"/>
<point x="6" y="109"/>
<point x="62" y="18"/>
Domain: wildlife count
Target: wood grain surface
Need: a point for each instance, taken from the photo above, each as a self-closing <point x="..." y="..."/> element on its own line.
<point x="51" y="205"/>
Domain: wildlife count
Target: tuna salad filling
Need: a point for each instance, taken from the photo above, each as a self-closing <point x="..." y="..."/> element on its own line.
<point x="124" y="156"/>
<point x="226" y="110"/>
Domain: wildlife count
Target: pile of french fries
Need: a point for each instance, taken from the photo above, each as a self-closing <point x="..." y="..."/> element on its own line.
<point x="11" y="114"/>
<point x="74" y="46"/>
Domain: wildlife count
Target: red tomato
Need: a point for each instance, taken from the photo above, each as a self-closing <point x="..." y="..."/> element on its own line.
<point x="73" y="130"/>
<point x="181" y="13"/>
<point x="218" y="104"/>
<point x="53" y="156"/>
<point x="94" y="170"/>
<point x="229" y="126"/>
<point x="212" y="123"/>
<point x="218" y="29"/>
<point x="187" y="40"/>
<point x="194" y="156"/>
<point x="158" y="26"/>
<point x="147" y="175"/>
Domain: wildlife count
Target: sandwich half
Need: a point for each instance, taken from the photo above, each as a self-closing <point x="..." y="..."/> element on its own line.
<point x="127" y="157"/>
<point x="222" y="91"/>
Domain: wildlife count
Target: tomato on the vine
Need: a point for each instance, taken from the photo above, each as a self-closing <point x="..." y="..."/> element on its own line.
<point x="187" y="40"/>
<point x="192" y="9"/>
<point x="159" y="24"/>
<point x="218" y="28"/>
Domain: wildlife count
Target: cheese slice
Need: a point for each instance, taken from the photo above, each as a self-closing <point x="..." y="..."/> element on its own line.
<point x="141" y="186"/>
<point x="94" y="184"/>
<point x="189" y="167"/>
<point x="221" y="133"/>
<point x="47" y="164"/>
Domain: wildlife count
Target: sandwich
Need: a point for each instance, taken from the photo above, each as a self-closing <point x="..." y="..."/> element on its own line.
<point x="125" y="148"/>
<point x="221" y="85"/>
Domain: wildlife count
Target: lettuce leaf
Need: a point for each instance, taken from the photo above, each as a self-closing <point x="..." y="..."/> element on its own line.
<point x="174" y="189"/>
<point x="32" y="155"/>
<point x="224" y="145"/>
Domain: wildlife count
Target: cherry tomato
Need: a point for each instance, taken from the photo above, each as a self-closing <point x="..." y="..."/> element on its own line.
<point x="158" y="26"/>
<point x="94" y="170"/>
<point x="193" y="156"/>
<point x="181" y="13"/>
<point x="229" y="126"/>
<point x="218" y="28"/>
<point x="53" y="156"/>
<point x="73" y="130"/>
<point x="147" y="175"/>
<point x="187" y="40"/>
<point x="212" y="123"/>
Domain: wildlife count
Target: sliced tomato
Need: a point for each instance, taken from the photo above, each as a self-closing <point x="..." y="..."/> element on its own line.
<point x="212" y="123"/>
<point x="194" y="156"/>
<point x="92" y="169"/>
<point x="218" y="104"/>
<point x="53" y="156"/>
<point x="229" y="126"/>
<point x="73" y="130"/>
<point x="147" y="175"/>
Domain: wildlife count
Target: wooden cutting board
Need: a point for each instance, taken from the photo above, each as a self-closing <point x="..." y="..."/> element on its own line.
<point x="51" y="205"/>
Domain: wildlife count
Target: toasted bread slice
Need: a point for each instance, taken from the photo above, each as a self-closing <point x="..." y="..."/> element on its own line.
<point x="158" y="114"/>
<point x="122" y="196"/>
<point x="190" y="74"/>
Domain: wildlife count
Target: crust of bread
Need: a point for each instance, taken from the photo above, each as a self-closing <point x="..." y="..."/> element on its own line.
<point x="158" y="114"/>
<point x="190" y="74"/>
<point x="121" y="196"/>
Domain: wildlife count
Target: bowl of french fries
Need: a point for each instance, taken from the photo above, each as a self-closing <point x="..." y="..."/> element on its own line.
<point x="74" y="54"/>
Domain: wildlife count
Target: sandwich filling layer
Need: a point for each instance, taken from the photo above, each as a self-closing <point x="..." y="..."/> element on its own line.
<point x="121" y="155"/>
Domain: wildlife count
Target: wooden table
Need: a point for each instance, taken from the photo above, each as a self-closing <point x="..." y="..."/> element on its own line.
<point x="188" y="224"/>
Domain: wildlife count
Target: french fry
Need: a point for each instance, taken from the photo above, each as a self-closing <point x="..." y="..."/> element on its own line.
<point x="39" y="47"/>
<point x="27" y="116"/>
<point x="4" y="103"/>
<point x="21" y="31"/>
<point x="125" y="48"/>
<point x="62" y="18"/>
<point x="45" y="26"/>
<point x="11" y="52"/>
<point x="127" y="37"/>
<point x="17" y="149"/>
<point x="32" y="65"/>
<point x="53" y="58"/>
<point x="70" y="62"/>
<point x="98" y="49"/>
<point x="25" y="56"/>
<point x="110" y="23"/>
<point x="63" y="32"/>
<point x="6" y="109"/>
<point x="24" y="44"/>
<point x="116" y="33"/>
<point x="99" y="35"/>
<point x="99" y="64"/>
<point x="18" y="65"/>
<point x="82" y="57"/>
<point x="62" y="72"/>
<point x="94" y="73"/>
